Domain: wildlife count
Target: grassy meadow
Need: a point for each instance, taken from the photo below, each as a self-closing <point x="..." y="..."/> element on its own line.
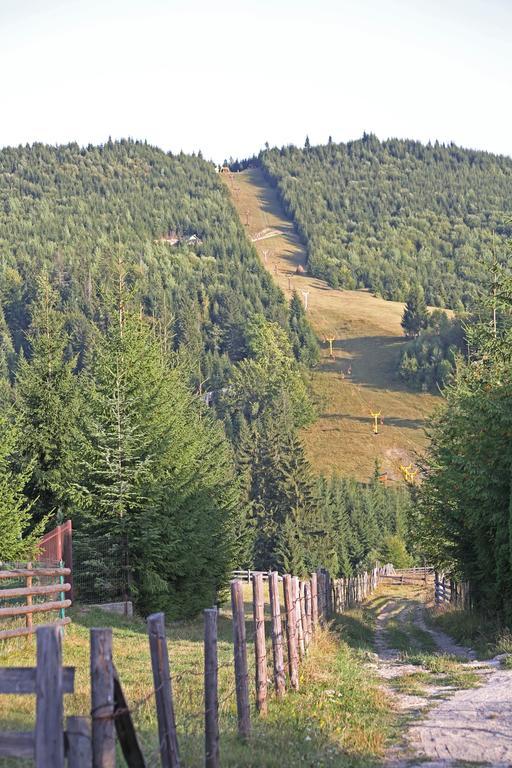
<point x="368" y="341"/>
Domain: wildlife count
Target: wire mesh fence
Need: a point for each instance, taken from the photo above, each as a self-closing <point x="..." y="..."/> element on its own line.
<point x="100" y="570"/>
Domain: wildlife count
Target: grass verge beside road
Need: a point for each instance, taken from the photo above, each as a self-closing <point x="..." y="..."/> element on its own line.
<point x="339" y="717"/>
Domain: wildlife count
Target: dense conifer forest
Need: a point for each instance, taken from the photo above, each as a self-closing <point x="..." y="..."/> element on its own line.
<point x="131" y="300"/>
<point x="388" y="215"/>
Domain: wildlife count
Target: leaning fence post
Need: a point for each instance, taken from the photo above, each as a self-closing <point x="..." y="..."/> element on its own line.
<point x="277" y="634"/>
<point x="314" y="601"/>
<point x="241" y="671"/>
<point x="102" y="699"/>
<point x="78" y="734"/>
<point x="169" y="752"/>
<point x="211" y="696"/>
<point x="290" y="632"/>
<point x="260" y="648"/>
<point x="49" y="734"/>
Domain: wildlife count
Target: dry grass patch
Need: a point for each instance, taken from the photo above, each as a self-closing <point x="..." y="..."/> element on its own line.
<point x="368" y="339"/>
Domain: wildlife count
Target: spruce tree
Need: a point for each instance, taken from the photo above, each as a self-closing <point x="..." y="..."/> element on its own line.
<point x="16" y="542"/>
<point x="47" y="408"/>
<point x="415" y="316"/>
<point x="304" y="342"/>
<point x="157" y="475"/>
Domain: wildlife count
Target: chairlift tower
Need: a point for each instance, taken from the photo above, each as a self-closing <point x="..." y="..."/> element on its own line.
<point x="305" y="295"/>
<point x="375" y="417"/>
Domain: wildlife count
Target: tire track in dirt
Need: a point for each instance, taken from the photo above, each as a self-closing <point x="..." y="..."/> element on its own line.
<point x="446" y="726"/>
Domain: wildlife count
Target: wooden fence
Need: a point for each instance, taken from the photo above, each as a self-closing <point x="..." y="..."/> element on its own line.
<point x="90" y="742"/>
<point x="21" y="601"/>
<point x="448" y="591"/>
<point x="56" y="546"/>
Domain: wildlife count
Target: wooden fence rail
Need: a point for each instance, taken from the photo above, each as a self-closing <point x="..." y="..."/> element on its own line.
<point x="27" y="610"/>
<point x="91" y="742"/>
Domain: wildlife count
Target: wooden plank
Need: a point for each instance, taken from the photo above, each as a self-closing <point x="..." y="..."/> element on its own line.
<point x="241" y="671"/>
<point x="125" y="729"/>
<point x="211" y="694"/>
<point x="102" y="699"/>
<point x="260" y="648"/>
<point x="78" y="742"/>
<point x="169" y="751"/>
<point x="17" y="744"/>
<point x="22" y="610"/>
<point x="49" y="732"/>
<point x="15" y="572"/>
<point x="30" y="591"/>
<point x="277" y="635"/>
<point x="21" y="680"/>
<point x="293" y="662"/>
<point x="20" y="631"/>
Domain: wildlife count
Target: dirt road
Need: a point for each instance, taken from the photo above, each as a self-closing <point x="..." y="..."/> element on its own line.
<point x="456" y="709"/>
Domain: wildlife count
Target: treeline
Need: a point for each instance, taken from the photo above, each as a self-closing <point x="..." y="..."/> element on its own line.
<point x="429" y="360"/>
<point x="465" y="501"/>
<point x="387" y="215"/>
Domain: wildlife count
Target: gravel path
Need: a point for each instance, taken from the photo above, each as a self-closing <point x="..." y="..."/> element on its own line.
<point x="465" y="726"/>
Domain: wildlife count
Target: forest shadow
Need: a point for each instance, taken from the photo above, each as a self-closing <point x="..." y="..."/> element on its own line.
<point x="373" y="361"/>
<point x="389" y="421"/>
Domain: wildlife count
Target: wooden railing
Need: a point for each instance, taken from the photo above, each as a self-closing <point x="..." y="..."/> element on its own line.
<point x="57" y="588"/>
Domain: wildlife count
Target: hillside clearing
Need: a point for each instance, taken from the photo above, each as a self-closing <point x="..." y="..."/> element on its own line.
<point x="367" y="342"/>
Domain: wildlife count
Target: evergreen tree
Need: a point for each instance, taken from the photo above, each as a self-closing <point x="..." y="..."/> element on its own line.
<point x="304" y="343"/>
<point x="157" y="474"/>
<point x="415" y="316"/>
<point x="47" y="409"/>
<point x="16" y="543"/>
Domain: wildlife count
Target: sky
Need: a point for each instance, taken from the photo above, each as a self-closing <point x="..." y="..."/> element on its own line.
<point x="226" y="76"/>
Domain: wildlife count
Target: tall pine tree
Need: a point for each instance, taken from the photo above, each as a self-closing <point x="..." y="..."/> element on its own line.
<point x="47" y="409"/>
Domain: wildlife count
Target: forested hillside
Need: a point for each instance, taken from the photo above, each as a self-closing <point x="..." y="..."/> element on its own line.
<point x="387" y="215"/>
<point x="67" y="210"/>
<point x="128" y="289"/>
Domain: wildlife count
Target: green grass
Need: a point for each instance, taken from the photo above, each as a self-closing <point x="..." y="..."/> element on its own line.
<point x="339" y="717"/>
<point x="469" y="628"/>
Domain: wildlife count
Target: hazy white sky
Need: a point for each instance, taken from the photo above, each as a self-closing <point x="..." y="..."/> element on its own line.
<point x="224" y="76"/>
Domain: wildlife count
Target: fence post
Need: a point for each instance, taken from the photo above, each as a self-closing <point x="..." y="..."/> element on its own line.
<point x="28" y="584"/>
<point x="241" y="671"/>
<point x="277" y="634"/>
<point x="303" y="619"/>
<point x="309" y="608"/>
<point x="169" y="751"/>
<point x="314" y="601"/>
<point x="78" y="733"/>
<point x="49" y="734"/>
<point x="299" y="635"/>
<point x="102" y="699"/>
<point x="260" y="648"/>
<point x="290" y="632"/>
<point x="211" y="696"/>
